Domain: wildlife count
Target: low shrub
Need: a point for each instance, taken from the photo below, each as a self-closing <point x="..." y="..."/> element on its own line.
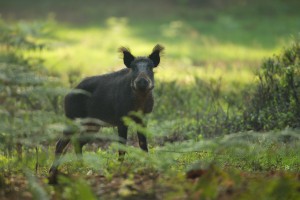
<point x="275" y="103"/>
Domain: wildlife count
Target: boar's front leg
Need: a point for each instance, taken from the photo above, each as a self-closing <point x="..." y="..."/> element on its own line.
<point x="122" y="131"/>
<point x="142" y="138"/>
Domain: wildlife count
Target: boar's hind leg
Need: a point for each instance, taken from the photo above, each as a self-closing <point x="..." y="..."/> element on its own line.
<point x="59" y="150"/>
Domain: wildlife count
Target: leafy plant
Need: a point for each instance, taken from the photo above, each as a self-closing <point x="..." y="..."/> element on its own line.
<point x="275" y="104"/>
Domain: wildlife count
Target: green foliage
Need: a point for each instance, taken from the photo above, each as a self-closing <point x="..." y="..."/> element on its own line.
<point x="200" y="109"/>
<point x="37" y="190"/>
<point x="275" y="103"/>
<point x="74" y="189"/>
<point x="30" y="97"/>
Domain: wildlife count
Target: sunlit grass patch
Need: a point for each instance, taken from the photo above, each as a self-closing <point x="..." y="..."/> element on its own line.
<point x="186" y="75"/>
<point x="94" y="50"/>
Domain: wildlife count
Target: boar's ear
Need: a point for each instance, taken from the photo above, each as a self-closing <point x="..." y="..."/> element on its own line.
<point x="127" y="56"/>
<point x="155" y="55"/>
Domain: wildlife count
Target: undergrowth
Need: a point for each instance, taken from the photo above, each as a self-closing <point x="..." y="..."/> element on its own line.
<point x="275" y="103"/>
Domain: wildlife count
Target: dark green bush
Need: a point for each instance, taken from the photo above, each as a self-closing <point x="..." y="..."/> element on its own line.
<point x="275" y="102"/>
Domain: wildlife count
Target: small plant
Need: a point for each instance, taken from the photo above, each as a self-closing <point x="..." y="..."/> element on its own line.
<point x="275" y="103"/>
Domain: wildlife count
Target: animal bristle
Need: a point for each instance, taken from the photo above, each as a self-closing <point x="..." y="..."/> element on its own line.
<point x="124" y="49"/>
<point x="158" y="48"/>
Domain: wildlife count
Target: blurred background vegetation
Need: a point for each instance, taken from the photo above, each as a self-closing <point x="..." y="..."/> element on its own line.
<point x="230" y="67"/>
